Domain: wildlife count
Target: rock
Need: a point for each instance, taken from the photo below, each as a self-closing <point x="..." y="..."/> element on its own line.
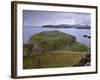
<point x="85" y="61"/>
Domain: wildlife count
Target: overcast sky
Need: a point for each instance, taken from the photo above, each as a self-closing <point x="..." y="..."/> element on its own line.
<point x="39" y="18"/>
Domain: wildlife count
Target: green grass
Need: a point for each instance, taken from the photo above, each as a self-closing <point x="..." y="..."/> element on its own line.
<point x="49" y="49"/>
<point x="58" y="58"/>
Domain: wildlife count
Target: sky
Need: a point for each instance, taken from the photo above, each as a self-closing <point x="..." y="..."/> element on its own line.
<point x="40" y="18"/>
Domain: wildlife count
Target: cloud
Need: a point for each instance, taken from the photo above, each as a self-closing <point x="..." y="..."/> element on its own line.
<point x="38" y="18"/>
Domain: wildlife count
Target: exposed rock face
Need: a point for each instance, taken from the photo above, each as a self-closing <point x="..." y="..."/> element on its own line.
<point x="85" y="61"/>
<point x="50" y="40"/>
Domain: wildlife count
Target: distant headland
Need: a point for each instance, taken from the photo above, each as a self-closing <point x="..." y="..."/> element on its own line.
<point x="77" y="26"/>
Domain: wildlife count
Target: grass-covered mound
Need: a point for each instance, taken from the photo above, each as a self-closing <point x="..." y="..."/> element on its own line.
<point x="50" y="40"/>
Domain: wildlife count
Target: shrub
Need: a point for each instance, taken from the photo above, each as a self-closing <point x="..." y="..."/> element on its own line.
<point x="80" y="47"/>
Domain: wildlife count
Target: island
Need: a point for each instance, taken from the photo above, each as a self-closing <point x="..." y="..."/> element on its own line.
<point x="77" y="26"/>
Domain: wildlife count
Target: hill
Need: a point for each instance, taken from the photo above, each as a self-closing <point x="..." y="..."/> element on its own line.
<point x="50" y="40"/>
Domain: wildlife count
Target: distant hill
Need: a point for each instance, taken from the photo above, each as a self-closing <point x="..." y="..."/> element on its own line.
<point x="78" y="26"/>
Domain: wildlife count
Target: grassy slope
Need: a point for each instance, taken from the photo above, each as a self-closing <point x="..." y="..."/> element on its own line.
<point x="63" y="56"/>
<point x="52" y="59"/>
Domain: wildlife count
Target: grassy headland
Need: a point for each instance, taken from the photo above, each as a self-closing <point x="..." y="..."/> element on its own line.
<point x="52" y="49"/>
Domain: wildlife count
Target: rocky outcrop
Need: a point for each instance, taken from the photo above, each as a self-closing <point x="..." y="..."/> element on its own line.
<point x="85" y="61"/>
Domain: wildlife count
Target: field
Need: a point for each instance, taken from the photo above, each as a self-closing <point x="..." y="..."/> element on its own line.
<point x="52" y="59"/>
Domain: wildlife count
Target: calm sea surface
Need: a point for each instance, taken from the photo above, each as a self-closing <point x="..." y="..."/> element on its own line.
<point x="28" y="31"/>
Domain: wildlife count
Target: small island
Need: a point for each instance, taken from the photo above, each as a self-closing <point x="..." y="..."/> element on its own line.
<point x="49" y="49"/>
